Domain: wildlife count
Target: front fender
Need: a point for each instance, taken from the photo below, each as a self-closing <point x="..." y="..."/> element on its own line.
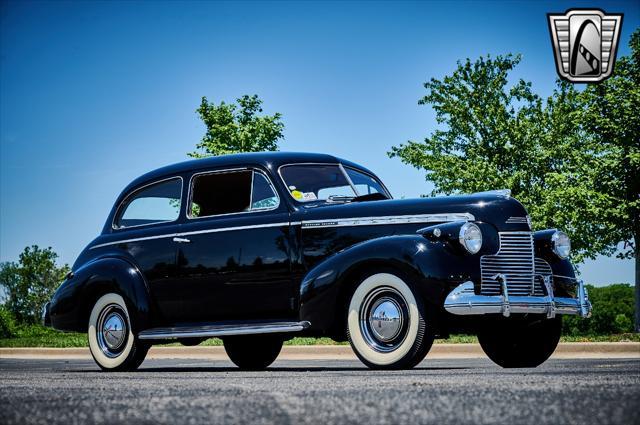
<point x="431" y="267"/>
<point x="71" y="305"/>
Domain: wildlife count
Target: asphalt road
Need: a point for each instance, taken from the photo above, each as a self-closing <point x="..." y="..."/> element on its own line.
<point x="600" y="391"/>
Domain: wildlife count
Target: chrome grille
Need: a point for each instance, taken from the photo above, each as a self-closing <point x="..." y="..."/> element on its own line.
<point x="542" y="268"/>
<point x="514" y="259"/>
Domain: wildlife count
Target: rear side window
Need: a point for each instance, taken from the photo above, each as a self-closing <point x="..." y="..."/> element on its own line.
<point x="231" y="192"/>
<point x="156" y="203"/>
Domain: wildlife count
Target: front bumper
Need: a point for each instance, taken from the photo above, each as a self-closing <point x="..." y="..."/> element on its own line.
<point x="463" y="301"/>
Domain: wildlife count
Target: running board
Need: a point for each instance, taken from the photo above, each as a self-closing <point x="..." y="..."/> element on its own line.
<point x="215" y="330"/>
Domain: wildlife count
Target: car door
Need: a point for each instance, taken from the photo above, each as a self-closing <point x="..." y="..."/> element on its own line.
<point x="233" y="260"/>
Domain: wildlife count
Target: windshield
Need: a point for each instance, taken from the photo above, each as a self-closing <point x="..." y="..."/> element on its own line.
<point x="329" y="182"/>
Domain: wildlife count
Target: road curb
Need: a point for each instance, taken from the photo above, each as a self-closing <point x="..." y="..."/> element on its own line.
<point x="567" y="350"/>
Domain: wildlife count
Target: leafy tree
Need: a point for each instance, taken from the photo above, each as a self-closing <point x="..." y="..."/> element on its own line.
<point x="7" y="323"/>
<point x="30" y="283"/>
<point x="233" y="128"/>
<point x="497" y="136"/>
<point x="612" y="116"/>
<point x="573" y="159"/>
<point x="613" y="311"/>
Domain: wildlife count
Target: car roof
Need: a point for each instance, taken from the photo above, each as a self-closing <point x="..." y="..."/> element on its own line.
<point x="269" y="160"/>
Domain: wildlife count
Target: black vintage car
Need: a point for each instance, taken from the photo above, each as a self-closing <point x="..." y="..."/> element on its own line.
<point x="258" y="248"/>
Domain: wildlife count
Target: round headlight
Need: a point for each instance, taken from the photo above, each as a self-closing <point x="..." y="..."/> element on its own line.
<point x="561" y="244"/>
<point x="470" y="237"/>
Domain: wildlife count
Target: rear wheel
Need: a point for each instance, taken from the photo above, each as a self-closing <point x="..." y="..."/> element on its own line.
<point x="253" y="352"/>
<point x="386" y="323"/>
<point x="111" y="340"/>
<point x="520" y="342"/>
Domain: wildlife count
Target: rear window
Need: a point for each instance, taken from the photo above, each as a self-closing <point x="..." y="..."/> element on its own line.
<point x="156" y="203"/>
<point x="231" y="192"/>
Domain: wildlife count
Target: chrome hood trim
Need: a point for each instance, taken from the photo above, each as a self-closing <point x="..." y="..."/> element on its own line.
<point x="390" y="219"/>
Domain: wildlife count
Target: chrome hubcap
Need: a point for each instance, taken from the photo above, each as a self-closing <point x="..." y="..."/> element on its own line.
<point x="112" y="330"/>
<point x="384" y="319"/>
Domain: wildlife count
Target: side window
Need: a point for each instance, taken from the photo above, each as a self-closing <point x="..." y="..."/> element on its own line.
<point x="263" y="195"/>
<point x="231" y="192"/>
<point x="220" y="193"/>
<point x="157" y="203"/>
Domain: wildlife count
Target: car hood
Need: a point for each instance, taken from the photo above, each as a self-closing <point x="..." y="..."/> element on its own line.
<point x="505" y="213"/>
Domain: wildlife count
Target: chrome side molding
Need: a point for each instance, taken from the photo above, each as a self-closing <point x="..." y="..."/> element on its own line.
<point x="216" y="330"/>
<point x="390" y="219"/>
<point x="463" y="301"/>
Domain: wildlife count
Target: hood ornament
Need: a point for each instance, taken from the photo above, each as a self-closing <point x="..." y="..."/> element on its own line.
<point x="504" y="193"/>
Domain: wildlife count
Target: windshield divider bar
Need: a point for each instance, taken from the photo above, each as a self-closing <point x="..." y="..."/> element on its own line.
<point x="348" y="179"/>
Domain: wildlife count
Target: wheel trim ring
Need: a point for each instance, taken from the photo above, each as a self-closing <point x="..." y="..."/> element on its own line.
<point x="369" y="336"/>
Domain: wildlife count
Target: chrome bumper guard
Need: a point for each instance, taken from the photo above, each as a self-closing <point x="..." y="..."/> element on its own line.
<point x="46" y="317"/>
<point x="463" y="301"/>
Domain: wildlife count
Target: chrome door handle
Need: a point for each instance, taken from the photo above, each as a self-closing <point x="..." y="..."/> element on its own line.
<point x="181" y="240"/>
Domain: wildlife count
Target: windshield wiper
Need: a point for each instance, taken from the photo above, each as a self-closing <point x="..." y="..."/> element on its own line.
<point x="370" y="197"/>
<point x="340" y="198"/>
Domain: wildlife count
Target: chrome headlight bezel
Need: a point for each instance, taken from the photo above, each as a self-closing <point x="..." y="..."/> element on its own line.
<point x="561" y="244"/>
<point x="470" y="237"/>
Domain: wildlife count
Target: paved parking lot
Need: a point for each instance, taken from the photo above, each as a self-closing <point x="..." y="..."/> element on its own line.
<point x="579" y="391"/>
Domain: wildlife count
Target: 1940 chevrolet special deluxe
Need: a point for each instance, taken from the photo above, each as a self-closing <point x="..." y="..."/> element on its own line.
<point x="259" y="248"/>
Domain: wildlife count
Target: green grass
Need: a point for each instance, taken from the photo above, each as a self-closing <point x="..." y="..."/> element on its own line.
<point x="39" y="336"/>
<point x="627" y="337"/>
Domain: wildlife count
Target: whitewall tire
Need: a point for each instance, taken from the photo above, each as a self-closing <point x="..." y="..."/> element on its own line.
<point x="386" y="325"/>
<point x="111" y="339"/>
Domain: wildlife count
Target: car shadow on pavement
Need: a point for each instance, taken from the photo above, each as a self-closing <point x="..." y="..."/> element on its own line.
<point x="283" y="369"/>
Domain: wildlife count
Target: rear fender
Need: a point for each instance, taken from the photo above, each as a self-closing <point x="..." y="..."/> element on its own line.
<point x="72" y="303"/>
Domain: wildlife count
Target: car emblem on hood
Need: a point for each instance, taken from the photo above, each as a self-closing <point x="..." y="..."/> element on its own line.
<point x="519" y="220"/>
<point x="585" y="42"/>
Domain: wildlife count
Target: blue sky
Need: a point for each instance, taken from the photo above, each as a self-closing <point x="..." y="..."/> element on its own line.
<point x="94" y="94"/>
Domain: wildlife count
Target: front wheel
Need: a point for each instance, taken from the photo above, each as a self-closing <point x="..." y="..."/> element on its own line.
<point x="253" y="352"/>
<point x="386" y="323"/>
<point x="520" y="342"/>
<point x="111" y="340"/>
